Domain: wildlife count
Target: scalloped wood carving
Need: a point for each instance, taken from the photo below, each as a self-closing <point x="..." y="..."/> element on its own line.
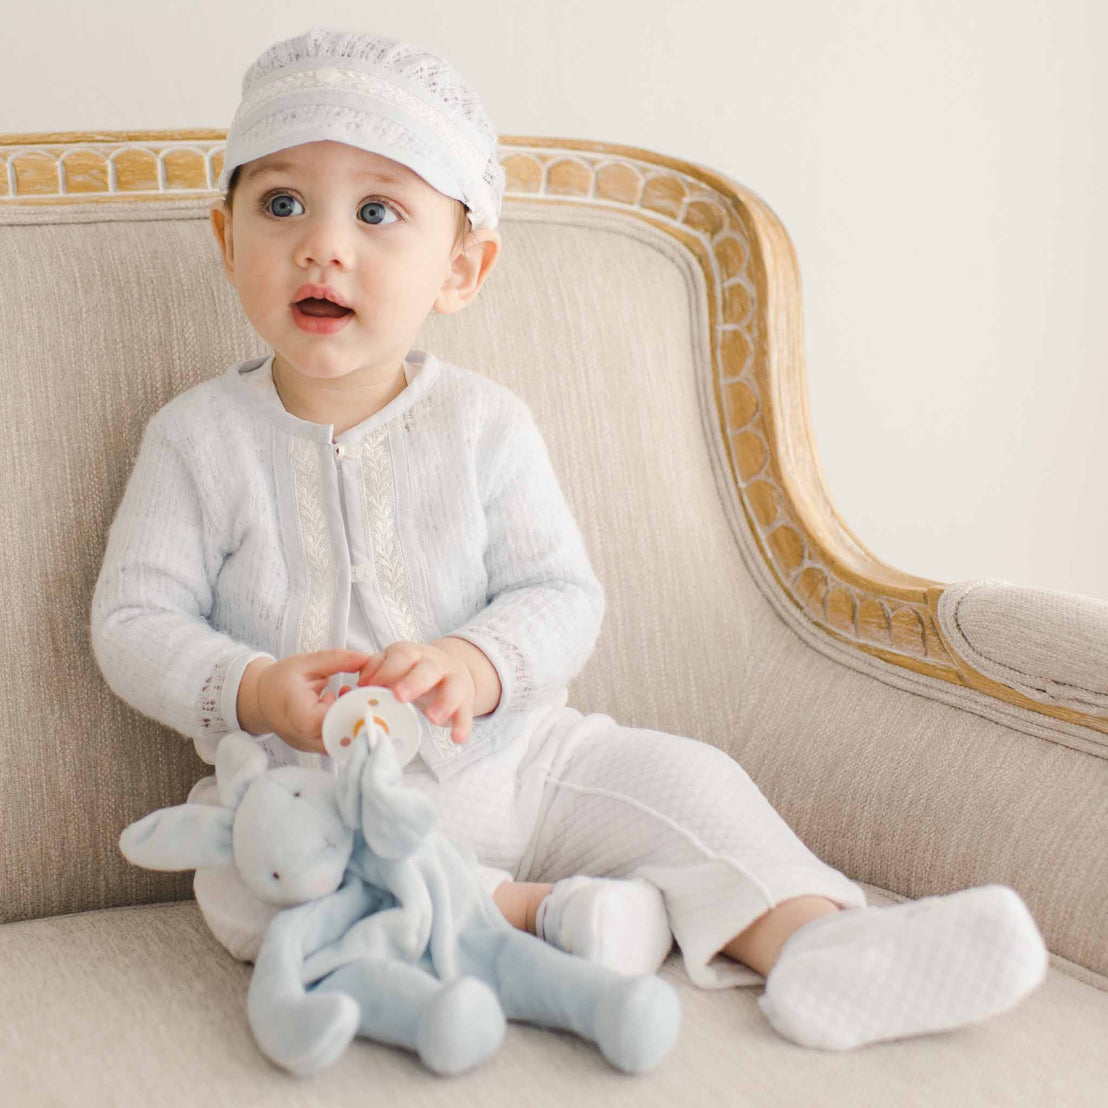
<point x="758" y="373"/>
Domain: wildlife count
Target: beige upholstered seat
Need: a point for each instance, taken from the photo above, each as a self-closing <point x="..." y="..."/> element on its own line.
<point x="918" y="736"/>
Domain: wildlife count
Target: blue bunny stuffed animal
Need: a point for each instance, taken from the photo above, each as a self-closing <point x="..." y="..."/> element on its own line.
<point x="384" y="930"/>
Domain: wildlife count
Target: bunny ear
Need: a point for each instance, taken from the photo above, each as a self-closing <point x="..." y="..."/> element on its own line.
<point x="238" y="761"/>
<point x="395" y="819"/>
<point x="349" y="782"/>
<point x="184" y="837"/>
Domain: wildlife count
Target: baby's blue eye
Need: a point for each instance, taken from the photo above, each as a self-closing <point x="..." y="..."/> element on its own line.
<point x="284" y="200"/>
<point x="377" y="219"/>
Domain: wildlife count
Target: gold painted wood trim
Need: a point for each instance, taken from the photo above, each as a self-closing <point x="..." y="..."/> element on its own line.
<point x="758" y="369"/>
<point x="81" y="166"/>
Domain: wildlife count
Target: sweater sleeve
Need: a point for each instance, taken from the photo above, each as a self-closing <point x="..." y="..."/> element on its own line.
<point x="545" y="603"/>
<point x="149" y="627"/>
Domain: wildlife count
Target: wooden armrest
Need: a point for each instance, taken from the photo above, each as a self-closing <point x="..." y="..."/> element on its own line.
<point x="1042" y="649"/>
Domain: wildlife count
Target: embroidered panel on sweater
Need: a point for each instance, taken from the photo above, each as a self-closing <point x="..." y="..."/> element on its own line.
<point x="305" y="460"/>
<point x="393" y="579"/>
<point x="380" y="512"/>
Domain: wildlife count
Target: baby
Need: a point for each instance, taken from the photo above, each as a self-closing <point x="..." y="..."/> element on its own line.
<point x="350" y="488"/>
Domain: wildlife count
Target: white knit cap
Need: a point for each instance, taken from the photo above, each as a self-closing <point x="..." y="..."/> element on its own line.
<point x="380" y="94"/>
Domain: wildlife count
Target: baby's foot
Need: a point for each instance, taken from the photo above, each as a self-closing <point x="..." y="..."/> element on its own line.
<point x="619" y="924"/>
<point x="863" y="975"/>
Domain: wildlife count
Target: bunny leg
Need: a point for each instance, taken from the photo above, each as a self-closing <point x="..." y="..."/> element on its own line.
<point x="633" y="1020"/>
<point x="300" y="1032"/>
<point x="452" y="1027"/>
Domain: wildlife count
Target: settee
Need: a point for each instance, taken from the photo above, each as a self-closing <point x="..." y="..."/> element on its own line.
<point x="920" y="736"/>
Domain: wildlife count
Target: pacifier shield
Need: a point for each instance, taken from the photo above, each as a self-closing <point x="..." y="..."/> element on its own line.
<point x="357" y="709"/>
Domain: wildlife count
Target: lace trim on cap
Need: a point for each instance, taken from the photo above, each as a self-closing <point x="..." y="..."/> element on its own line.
<point x="428" y="73"/>
<point x="449" y="131"/>
<point x="393" y="581"/>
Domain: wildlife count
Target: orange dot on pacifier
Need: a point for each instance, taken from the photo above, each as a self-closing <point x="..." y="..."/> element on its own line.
<point x="344" y="741"/>
<point x="374" y="702"/>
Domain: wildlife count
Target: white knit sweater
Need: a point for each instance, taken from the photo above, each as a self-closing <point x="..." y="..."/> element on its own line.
<point x="246" y="531"/>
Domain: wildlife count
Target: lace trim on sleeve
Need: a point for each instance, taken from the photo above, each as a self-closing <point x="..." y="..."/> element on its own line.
<point x="523" y="689"/>
<point x="210" y="702"/>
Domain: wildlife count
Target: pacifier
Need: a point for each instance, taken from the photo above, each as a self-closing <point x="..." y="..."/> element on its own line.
<point x="355" y="711"/>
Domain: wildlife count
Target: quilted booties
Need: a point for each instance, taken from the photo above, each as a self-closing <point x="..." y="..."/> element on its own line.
<point x="863" y="975"/>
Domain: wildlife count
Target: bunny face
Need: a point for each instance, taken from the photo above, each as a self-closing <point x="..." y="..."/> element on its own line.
<point x="290" y="831"/>
<point x="290" y="843"/>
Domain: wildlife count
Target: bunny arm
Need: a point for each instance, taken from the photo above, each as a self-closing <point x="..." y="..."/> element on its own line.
<point x="348" y="783"/>
<point x="444" y="931"/>
<point x="395" y="820"/>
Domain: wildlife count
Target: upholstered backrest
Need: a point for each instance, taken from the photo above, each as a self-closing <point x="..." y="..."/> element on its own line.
<point x="649" y="313"/>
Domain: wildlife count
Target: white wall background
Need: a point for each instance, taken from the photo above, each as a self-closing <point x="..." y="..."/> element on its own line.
<point x="938" y="164"/>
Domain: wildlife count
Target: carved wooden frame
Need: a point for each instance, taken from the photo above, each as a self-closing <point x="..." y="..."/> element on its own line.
<point x="758" y="370"/>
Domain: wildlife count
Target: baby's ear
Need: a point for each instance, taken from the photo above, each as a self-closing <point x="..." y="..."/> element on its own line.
<point x="183" y="837"/>
<point x="238" y="761"/>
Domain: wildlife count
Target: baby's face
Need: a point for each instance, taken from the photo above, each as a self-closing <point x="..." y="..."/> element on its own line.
<point x="367" y="228"/>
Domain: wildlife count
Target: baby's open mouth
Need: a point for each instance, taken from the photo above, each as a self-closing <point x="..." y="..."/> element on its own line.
<point x="312" y="305"/>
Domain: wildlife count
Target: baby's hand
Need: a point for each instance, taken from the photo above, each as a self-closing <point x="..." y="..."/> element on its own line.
<point x="412" y="669"/>
<point x="290" y="698"/>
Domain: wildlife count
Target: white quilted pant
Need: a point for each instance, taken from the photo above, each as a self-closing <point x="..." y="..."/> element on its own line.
<point x="627" y="801"/>
<point x="584" y="795"/>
